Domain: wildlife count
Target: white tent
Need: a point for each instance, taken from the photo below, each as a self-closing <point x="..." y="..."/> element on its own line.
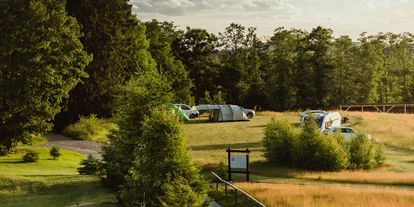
<point x="226" y="112"/>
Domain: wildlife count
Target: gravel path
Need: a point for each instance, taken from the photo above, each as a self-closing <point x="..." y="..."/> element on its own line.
<point x="81" y="146"/>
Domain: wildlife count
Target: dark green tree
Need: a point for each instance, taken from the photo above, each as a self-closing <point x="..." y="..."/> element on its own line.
<point x="234" y="60"/>
<point x="161" y="35"/>
<point x="370" y="66"/>
<point x="116" y="39"/>
<point x="197" y="50"/>
<point x="319" y="43"/>
<point x="138" y="99"/>
<point x="163" y="173"/>
<point x="344" y="84"/>
<point x="281" y="76"/>
<point x="41" y="60"/>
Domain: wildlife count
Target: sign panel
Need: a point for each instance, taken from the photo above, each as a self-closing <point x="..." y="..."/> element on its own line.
<point x="238" y="161"/>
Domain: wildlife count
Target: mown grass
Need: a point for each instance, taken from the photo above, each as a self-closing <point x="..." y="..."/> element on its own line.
<point x="49" y="182"/>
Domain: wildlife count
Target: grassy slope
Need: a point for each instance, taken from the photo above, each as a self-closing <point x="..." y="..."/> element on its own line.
<point x="50" y="182"/>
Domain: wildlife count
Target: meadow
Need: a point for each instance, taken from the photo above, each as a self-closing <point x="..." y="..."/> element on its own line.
<point x="391" y="185"/>
<point x="52" y="182"/>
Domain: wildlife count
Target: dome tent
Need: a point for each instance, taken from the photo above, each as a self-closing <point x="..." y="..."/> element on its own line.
<point x="226" y="112"/>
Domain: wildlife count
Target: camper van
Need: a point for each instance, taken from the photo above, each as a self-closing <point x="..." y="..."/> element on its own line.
<point x="330" y="119"/>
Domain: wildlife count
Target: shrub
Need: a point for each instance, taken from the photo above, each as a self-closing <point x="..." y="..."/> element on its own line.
<point x="55" y="152"/>
<point x="379" y="155"/>
<point x="83" y="129"/>
<point x="279" y="139"/>
<point x="362" y="153"/>
<point x="31" y="156"/>
<point x="315" y="151"/>
<point x="221" y="171"/>
<point x="89" y="128"/>
<point x="91" y="166"/>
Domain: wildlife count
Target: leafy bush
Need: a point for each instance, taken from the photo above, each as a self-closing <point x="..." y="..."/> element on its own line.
<point x="362" y="153"/>
<point x="91" y="166"/>
<point x="89" y="128"/>
<point x="379" y="155"/>
<point x="311" y="149"/>
<point x="221" y="171"/>
<point x="31" y="156"/>
<point x="55" y="152"/>
<point x="279" y="139"/>
<point x="315" y="151"/>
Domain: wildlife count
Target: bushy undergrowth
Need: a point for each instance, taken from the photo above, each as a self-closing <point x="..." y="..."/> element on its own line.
<point x="31" y="156"/>
<point x="310" y="149"/>
<point x="55" y="152"/>
<point x="89" y="128"/>
<point x="90" y="166"/>
<point x="279" y="137"/>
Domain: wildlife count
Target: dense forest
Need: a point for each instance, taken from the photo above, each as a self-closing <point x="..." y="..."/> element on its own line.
<point x="74" y="58"/>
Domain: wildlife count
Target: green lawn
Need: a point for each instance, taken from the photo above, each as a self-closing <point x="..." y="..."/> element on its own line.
<point x="52" y="182"/>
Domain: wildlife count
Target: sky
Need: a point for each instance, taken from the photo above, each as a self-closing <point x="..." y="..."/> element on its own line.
<point x="344" y="17"/>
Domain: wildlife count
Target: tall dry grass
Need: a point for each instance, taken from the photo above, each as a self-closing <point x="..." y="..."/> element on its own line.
<point x="391" y="129"/>
<point x="274" y="195"/>
<point x="295" y="187"/>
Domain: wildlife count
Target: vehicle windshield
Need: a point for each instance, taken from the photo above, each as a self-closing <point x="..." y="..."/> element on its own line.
<point x="319" y="121"/>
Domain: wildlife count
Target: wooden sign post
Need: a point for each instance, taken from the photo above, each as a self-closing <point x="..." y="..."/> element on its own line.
<point x="238" y="163"/>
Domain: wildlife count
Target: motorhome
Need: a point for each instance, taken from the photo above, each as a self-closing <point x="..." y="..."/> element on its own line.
<point x="331" y="119"/>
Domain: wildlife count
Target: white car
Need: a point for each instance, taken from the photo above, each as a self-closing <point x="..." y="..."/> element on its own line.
<point x="189" y="112"/>
<point x="249" y="112"/>
<point x="347" y="132"/>
<point x="314" y="112"/>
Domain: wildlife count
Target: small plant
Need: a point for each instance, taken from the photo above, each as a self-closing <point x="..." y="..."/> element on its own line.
<point x="55" y="152"/>
<point x="221" y="171"/>
<point x="31" y="156"/>
<point x="91" y="166"/>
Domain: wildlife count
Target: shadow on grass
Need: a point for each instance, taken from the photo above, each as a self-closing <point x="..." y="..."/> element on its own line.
<point x="74" y="192"/>
<point x="225" y="146"/>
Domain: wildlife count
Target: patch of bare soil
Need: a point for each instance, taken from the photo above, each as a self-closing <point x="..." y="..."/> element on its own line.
<point x="81" y="146"/>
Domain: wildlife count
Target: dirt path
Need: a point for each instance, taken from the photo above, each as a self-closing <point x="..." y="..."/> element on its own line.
<point x="83" y="147"/>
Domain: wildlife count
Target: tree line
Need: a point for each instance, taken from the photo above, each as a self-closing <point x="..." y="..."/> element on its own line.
<point x="61" y="60"/>
<point x="66" y="59"/>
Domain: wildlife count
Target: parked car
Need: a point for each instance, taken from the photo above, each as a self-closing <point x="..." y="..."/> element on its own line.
<point x="189" y="112"/>
<point x="249" y="112"/>
<point x="347" y="132"/>
<point x="314" y="112"/>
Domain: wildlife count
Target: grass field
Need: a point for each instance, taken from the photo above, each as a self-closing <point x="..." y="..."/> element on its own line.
<point x="391" y="185"/>
<point x="56" y="182"/>
<point x="49" y="182"/>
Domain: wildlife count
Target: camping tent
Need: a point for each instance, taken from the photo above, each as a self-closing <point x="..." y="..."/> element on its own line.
<point x="226" y="112"/>
<point x="174" y="109"/>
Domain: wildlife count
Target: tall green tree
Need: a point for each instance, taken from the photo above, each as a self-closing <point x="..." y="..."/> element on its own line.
<point x="319" y="43"/>
<point x="344" y="53"/>
<point x="161" y="35"/>
<point x="281" y="83"/>
<point x="116" y="39"/>
<point x="370" y="62"/>
<point x="234" y="57"/>
<point x="41" y="60"/>
<point x="197" y="50"/>
<point x="163" y="173"/>
<point x="139" y="97"/>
